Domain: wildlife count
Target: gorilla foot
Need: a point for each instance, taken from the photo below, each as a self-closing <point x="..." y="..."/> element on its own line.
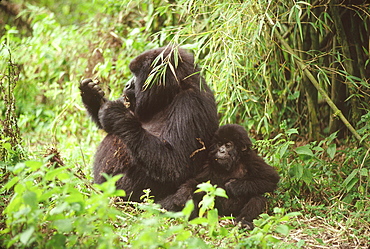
<point x="245" y="224"/>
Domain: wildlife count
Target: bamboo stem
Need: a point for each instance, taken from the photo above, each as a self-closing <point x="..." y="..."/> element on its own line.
<point x="313" y="80"/>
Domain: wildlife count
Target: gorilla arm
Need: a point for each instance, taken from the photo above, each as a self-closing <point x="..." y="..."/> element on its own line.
<point x="259" y="178"/>
<point x="165" y="155"/>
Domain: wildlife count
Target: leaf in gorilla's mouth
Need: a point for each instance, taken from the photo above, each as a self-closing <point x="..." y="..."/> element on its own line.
<point x="126" y="101"/>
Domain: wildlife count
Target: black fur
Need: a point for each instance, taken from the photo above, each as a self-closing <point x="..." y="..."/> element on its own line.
<point x="156" y="142"/>
<point x="242" y="173"/>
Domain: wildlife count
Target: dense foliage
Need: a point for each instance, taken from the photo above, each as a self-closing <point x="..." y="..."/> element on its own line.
<point x="295" y="74"/>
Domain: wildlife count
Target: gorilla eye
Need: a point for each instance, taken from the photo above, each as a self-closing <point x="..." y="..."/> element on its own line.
<point x="229" y="144"/>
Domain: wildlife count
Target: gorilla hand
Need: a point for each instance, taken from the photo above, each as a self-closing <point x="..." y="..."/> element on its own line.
<point x="230" y="188"/>
<point x="112" y="114"/>
<point x="91" y="92"/>
<point x="92" y="97"/>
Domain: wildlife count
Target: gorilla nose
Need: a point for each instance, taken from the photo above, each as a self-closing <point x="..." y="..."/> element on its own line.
<point x="222" y="149"/>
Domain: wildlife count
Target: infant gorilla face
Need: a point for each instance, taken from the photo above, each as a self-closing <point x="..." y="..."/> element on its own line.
<point x="225" y="155"/>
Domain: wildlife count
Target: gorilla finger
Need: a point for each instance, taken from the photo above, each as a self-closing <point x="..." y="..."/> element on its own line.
<point x="96" y="88"/>
<point x="84" y="82"/>
<point x="91" y="84"/>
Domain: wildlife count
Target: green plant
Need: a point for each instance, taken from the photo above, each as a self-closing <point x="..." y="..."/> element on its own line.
<point x="208" y="215"/>
<point x="10" y="140"/>
<point x="155" y="229"/>
<point x="263" y="235"/>
<point x="50" y="206"/>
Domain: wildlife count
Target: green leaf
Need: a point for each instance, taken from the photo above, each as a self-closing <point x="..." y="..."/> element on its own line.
<point x="59" y="208"/>
<point x="350" y="181"/>
<point x="283" y="149"/>
<point x="223" y="231"/>
<point x="272" y="239"/>
<point x="293" y="214"/>
<point x="183" y="235"/>
<point x="301" y="243"/>
<point x="19" y="167"/>
<point x="364" y="172"/>
<point x="198" y="221"/>
<point x="119" y="192"/>
<point x="34" y="165"/>
<point x="331" y="150"/>
<point x="320" y="241"/>
<point x="188" y="209"/>
<point x="292" y="131"/>
<point x="204" y="186"/>
<point x="51" y="174"/>
<point x="212" y="216"/>
<point x="317" y="148"/>
<point x="11" y="183"/>
<point x="221" y="192"/>
<point x="293" y="96"/>
<point x="278" y="210"/>
<point x="30" y="198"/>
<point x="282" y="229"/>
<point x="304" y="150"/>
<point x="297" y="171"/>
<point x="207" y="202"/>
<point x="7" y="146"/>
<point x="57" y="241"/>
<point x="26" y="235"/>
<point x="64" y="177"/>
<point x="74" y="197"/>
<point x="307" y="176"/>
<point x="64" y="226"/>
<point x="351" y="184"/>
<point x="361" y="189"/>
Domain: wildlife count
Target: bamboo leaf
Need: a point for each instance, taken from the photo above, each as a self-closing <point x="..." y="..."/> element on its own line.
<point x="350" y="181"/>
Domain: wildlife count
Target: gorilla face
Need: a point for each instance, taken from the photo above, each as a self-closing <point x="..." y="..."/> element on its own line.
<point x="225" y="155"/>
<point x="150" y="97"/>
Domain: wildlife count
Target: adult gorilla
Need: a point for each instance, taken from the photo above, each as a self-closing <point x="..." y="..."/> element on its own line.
<point x="158" y="139"/>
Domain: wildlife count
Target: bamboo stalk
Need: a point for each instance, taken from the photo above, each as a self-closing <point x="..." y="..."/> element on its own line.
<point x="302" y="66"/>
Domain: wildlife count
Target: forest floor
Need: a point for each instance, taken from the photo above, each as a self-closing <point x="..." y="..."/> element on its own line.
<point x="318" y="232"/>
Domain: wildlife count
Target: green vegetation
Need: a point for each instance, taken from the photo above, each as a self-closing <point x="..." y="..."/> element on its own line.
<point x="294" y="73"/>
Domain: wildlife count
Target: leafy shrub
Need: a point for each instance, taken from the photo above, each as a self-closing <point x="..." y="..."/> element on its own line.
<point x="51" y="206"/>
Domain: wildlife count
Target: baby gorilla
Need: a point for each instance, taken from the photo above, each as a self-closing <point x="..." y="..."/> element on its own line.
<point x="235" y="167"/>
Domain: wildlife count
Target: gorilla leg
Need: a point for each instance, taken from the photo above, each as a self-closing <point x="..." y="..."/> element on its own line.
<point x="251" y="210"/>
<point x="176" y="202"/>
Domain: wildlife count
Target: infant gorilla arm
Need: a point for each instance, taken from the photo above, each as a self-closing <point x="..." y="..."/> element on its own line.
<point x="234" y="166"/>
<point x="153" y="140"/>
